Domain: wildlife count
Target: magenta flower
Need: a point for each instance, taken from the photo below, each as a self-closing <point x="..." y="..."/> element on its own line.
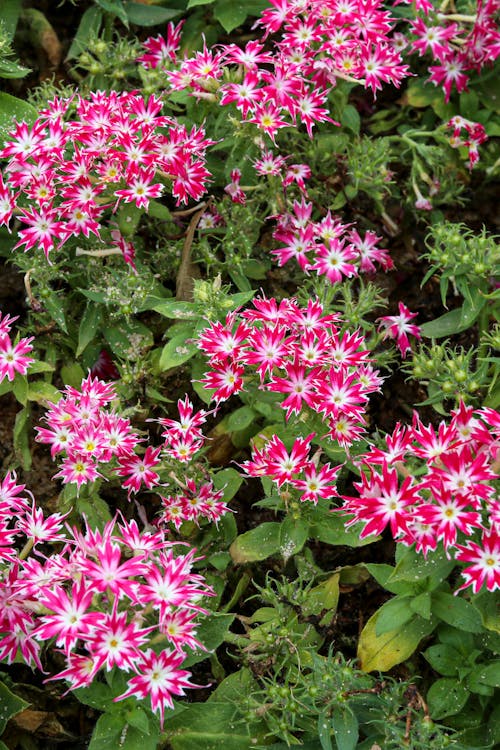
<point x="398" y="327"/>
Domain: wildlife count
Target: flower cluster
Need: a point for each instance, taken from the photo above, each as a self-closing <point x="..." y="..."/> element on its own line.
<point x="446" y="496"/>
<point x="295" y="468"/>
<point x="328" y="247"/>
<point x="64" y="175"/>
<point x="289" y="84"/>
<point x="197" y="500"/>
<point x="183" y="439"/>
<point x="13" y="355"/>
<point x="89" y="435"/>
<point x="298" y="352"/>
<point x="475" y="135"/>
<point x="102" y="598"/>
<point x="459" y="44"/>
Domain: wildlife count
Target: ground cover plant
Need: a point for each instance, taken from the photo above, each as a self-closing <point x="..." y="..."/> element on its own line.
<point x="249" y="333"/>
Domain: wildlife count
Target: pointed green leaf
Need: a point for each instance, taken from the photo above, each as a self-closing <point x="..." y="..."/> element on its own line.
<point x="148" y="15"/>
<point x="456" y="611"/>
<point x="393" y="615"/>
<point x="293" y="536"/>
<point x="256" y="544"/>
<point x="177" y="351"/>
<point x="89" y="326"/>
<point x="88" y="28"/>
<point x="345" y="728"/>
<point x="446" y="697"/>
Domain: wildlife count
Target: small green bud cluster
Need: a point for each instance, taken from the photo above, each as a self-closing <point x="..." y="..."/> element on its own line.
<point x="448" y="372"/>
<point x="112" y="61"/>
<point x="455" y="250"/>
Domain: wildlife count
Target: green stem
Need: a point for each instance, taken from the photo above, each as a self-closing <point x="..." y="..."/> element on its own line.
<point x="241" y="586"/>
<point x="236" y="640"/>
<point x="457" y="17"/>
<point x="26" y="549"/>
<point x="482" y="324"/>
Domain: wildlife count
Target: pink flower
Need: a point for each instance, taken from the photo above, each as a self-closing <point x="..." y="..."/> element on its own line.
<point x="398" y="327"/>
<point x="158" y="678"/>
<point x="78" y="470"/>
<point x="382" y="501"/>
<point x="139" y="469"/>
<point x="485" y="559"/>
<point x="13" y="357"/>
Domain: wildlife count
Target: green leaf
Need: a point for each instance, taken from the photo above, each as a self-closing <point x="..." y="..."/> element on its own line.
<point x="43" y="392"/>
<point x="89" y="326"/>
<point x="22" y="430"/>
<point x="211" y="632"/>
<point x="446" y="697"/>
<point x="232" y="13"/>
<point x="98" y="695"/>
<point x="413" y="567"/>
<point x="115" y="8"/>
<point x="324" y="731"/>
<point x="330" y="528"/>
<point x="107" y="732"/>
<point x="456" y="611"/>
<point x="36" y="367"/>
<point x="20" y="389"/>
<point x="256" y="544"/>
<point x="293" y="536"/>
<point x="234" y="686"/>
<point x="120" y="337"/>
<point x="444" y="659"/>
<point x="489" y="674"/>
<point x="323" y="597"/>
<point x="139" y="719"/>
<point x="6" y="386"/>
<point x="350" y="118"/>
<point x="452" y="322"/>
<point x="128" y="218"/>
<point x="228" y="480"/>
<point x="255" y="269"/>
<point x="469" y="103"/>
<point x="72" y="374"/>
<point x="10" y="705"/>
<point x="210" y="726"/>
<point x="383" y="575"/>
<point x="393" y="614"/>
<point x="421" y="605"/>
<point x="95" y="510"/>
<point x="148" y="15"/>
<point x="11" y="10"/>
<point x="12" y="69"/>
<point x="382" y="652"/>
<point x="13" y="109"/>
<point x="177" y="351"/>
<point x="88" y="28"/>
<point x="54" y="307"/>
<point x="489" y="610"/>
<point x="240" y="419"/>
<point x="172" y="308"/>
<point x="345" y="727"/>
<point x="156" y="209"/>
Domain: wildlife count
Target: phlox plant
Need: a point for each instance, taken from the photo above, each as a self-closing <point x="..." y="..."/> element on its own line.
<point x="234" y="251"/>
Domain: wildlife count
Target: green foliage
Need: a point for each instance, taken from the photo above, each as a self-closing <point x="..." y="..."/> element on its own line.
<point x="288" y="659"/>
